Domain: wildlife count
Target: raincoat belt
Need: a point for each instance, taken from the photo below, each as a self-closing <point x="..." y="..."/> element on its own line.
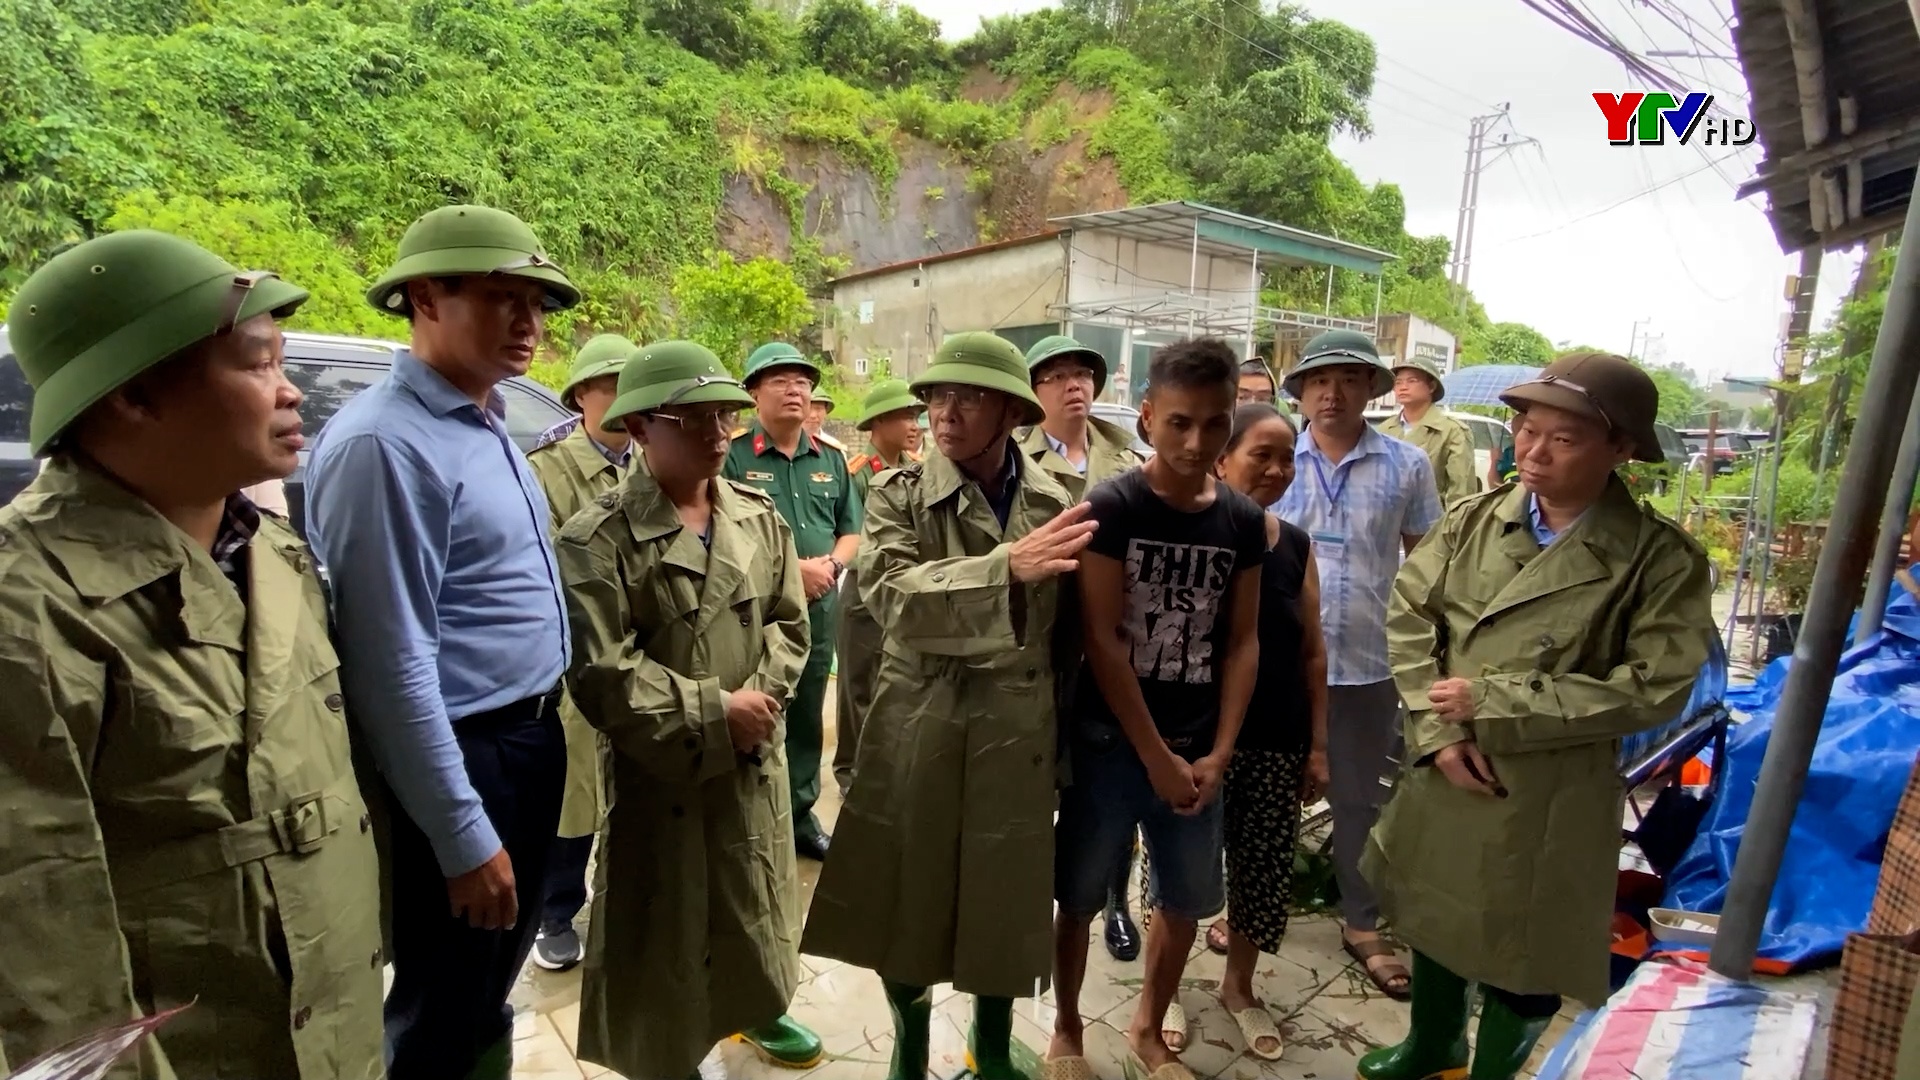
<point x="299" y="828"/>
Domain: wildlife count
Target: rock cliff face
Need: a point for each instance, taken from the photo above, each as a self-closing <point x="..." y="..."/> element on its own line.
<point x="938" y="201"/>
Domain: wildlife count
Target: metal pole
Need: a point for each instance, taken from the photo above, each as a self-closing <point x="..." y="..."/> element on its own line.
<point x="1893" y="528"/>
<point x="1766" y="537"/>
<point x="1379" y="283"/>
<point x="1466" y="195"/>
<point x="1746" y="552"/>
<point x="1887" y="396"/>
<point x="1253" y="306"/>
<point x="1328" y="309"/>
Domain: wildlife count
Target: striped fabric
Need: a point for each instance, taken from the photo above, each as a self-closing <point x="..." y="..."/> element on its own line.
<point x="1681" y="1020"/>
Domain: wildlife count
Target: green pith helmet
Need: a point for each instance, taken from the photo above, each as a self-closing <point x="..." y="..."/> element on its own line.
<point x="605" y="354"/>
<point x="776" y="354"/>
<point x="1425" y="367"/>
<point x="821" y="397"/>
<point x="456" y="241"/>
<point x="97" y="315"/>
<point x="887" y="395"/>
<point x="979" y="358"/>
<point x="671" y="373"/>
<point x="1059" y="345"/>
<point x="1337" y="348"/>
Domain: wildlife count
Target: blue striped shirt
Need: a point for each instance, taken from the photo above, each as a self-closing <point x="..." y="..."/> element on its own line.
<point x="1356" y="511"/>
<point x="446" y="596"/>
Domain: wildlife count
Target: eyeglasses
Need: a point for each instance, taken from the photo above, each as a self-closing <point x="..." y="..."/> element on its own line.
<point x="965" y="398"/>
<point x="724" y="420"/>
<point x="1072" y="374"/>
<point x="787" y="382"/>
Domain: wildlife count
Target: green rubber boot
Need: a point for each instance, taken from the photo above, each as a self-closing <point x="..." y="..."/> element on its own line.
<point x="1506" y="1040"/>
<point x="1436" y="1045"/>
<point x="992" y="1052"/>
<point x="785" y="1043"/>
<point x="912" y="1008"/>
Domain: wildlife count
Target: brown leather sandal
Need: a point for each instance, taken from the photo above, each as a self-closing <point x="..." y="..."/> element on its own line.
<point x="1386" y="976"/>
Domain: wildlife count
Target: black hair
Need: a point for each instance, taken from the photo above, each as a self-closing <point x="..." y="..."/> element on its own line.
<point x="1257" y="367"/>
<point x="1196" y="363"/>
<point x="1252" y="415"/>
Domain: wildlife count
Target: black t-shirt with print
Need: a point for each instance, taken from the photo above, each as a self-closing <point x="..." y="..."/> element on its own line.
<point x="1178" y="572"/>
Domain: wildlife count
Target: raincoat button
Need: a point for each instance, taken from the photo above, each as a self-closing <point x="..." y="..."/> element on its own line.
<point x="334" y="702"/>
<point x="937" y="576"/>
<point x="1032" y="673"/>
<point x="1537" y="685"/>
<point x="366" y="823"/>
<point x="376" y="959"/>
<point x="300" y="1018"/>
<point x="1039" y="760"/>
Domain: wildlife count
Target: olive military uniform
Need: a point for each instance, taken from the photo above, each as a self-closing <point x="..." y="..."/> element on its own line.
<point x="858" y="645"/>
<point x="817" y="500"/>
<point x="182" y="820"/>
<point x="1446" y="441"/>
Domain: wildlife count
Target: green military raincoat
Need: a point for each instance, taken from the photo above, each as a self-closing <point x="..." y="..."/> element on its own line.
<point x="182" y="819"/>
<point x="696" y="909"/>
<point x="1109" y="453"/>
<point x="1570" y="648"/>
<point x="942" y="867"/>
<point x="574" y="473"/>
<point x="1447" y="444"/>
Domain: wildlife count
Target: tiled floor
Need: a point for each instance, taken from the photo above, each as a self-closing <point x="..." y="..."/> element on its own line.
<point x="1328" y="1010"/>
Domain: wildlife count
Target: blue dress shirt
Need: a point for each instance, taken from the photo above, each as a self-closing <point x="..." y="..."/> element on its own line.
<point x="446" y="596"/>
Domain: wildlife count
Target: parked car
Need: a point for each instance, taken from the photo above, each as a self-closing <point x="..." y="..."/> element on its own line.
<point x="1127" y="418"/>
<point x="329" y="370"/>
<point x="1490" y="438"/>
<point x="1730" y="448"/>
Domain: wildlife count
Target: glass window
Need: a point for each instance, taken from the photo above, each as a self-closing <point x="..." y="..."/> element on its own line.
<point x="1026" y="337"/>
<point x="327" y="387"/>
<point x="16" y="401"/>
<point x="529" y="413"/>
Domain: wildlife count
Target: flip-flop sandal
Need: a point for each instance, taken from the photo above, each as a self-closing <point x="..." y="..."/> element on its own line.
<point x="1257" y="1024"/>
<point x="1172" y="1070"/>
<point x="1174" y="1027"/>
<point x="1217" y="937"/>
<point x="1383" y="976"/>
<point x="1066" y="1068"/>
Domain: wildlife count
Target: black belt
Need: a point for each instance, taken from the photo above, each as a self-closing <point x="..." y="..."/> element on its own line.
<point x="531" y="708"/>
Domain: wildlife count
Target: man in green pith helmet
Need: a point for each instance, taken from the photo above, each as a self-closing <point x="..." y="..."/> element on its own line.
<point x="944" y="869"/>
<point x="690" y="630"/>
<point x="183" y="825"/>
<point x="574" y="470"/>
<point x="891" y="418"/>
<point x="809" y="484"/>
<point x="1080" y="450"/>
<point x="819" y="407"/>
<point x="1535" y="627"/>
<point x="1417" y="388"/>
<point x="452" y="628"/>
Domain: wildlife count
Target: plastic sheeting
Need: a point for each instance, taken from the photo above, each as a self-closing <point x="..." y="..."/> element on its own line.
<point x="1682" y="1020"/>
<point x="1860" y="765"/>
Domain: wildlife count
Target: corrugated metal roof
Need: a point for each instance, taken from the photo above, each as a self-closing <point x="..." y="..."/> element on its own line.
<point x="1871" y="53"/>
<point x="1182" y="222"/>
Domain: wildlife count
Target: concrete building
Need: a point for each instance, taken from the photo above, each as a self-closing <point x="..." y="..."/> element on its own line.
<point x="1122" y="281"/>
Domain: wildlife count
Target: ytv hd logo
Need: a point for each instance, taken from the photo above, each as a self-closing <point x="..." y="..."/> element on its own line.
<point x="1645" y="118"/>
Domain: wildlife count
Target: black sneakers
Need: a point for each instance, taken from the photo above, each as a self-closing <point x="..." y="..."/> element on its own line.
<point x="558" y="948"/>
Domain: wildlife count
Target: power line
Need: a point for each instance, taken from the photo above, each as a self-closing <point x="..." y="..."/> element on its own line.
<point x="1478" y="101"/>
<point x="1609" y="208"/>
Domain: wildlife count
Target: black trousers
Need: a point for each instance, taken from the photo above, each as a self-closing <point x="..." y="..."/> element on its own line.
<point x="448" y="1004"/>
<point x="566" y="882"/>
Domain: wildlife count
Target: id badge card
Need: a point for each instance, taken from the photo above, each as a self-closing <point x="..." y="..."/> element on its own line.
<point x="1329" y="545"/>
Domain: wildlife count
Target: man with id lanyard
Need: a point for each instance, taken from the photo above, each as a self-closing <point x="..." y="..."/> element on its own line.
<point x="1365" y="499"/>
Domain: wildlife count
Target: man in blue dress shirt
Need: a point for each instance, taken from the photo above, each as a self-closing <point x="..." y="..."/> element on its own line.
<point x="452" y="629"/>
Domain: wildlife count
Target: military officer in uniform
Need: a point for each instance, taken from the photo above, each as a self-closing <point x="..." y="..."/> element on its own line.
<point x="1531" y="630"/>
<point x="944" y="871"/>
<point x="891" y="418"/>
<point x="809" y="484"/>
<point x="1079" y="450"/>
<point x="573" y="471"/>
<point x="1448" y="445"/>
<point x="690" y="630"/>
<point x="182" y="820"/>
<point x="819" y="407"/>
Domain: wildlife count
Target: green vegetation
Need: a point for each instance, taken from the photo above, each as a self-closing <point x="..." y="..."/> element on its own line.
<point x="303" y="135"/>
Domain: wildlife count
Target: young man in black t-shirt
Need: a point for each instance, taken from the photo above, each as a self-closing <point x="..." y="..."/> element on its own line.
<point x="1170" y="592"/>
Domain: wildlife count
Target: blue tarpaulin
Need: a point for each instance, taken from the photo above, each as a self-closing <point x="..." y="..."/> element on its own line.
<point x="1860" y="766"/>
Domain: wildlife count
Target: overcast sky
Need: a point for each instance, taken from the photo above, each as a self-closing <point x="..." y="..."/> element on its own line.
<point x="1700" y="272"/>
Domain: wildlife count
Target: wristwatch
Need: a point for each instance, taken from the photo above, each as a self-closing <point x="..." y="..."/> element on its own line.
<point x="838" y="566"/>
